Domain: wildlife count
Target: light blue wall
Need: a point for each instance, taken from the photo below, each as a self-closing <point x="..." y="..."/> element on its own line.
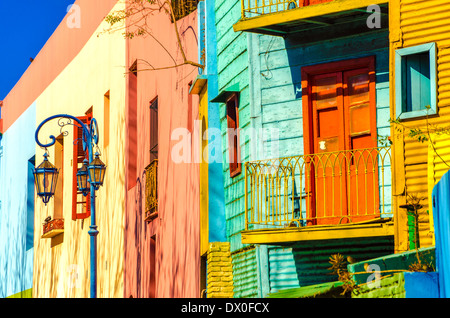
<point x="16" y="263"/>
<point x="232" y="69"/>
<point x="208" y="47"/>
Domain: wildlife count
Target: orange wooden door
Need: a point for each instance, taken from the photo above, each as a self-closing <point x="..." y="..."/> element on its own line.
<point x="327" y="182"/>
<point x="361" y="138"/>
<point x="342" y="181"/>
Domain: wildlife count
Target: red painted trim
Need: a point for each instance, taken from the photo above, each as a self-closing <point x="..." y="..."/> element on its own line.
<point x="75" y="162"/>
<point x="233" y="123"/>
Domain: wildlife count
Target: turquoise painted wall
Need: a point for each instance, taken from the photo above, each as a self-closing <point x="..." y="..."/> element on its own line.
<point x="277" y="89"/>
<point x="277" y="86"/>
<point x="17" y="205"/>
<point x="216" y="210"/>
<point x="232" y="68"/>
<point x="267" y="70"/>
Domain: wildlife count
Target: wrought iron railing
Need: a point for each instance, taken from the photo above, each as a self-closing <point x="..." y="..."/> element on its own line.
<point x="323" y="188"/>
<point x="151" y="190"/>
<point x="254" y="8"/>
<point x="52" y="228"/>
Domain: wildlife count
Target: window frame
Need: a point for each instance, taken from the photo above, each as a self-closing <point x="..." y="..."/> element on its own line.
<point x="235" y="167"/>
<point x="87" y="209"/>
<point x="154" y="130"/>
<point x="400" y="54"/>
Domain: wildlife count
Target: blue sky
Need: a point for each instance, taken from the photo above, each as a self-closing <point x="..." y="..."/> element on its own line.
<point x="25" y="27"/>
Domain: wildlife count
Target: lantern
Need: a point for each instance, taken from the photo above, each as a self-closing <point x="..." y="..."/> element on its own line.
<point x="45" y="179"/>
<point x="96" y="172"/>
<point x="83" y="179"/>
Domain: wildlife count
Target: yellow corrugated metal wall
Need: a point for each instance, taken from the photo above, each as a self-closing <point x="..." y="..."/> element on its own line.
<point x="418" y="168"/>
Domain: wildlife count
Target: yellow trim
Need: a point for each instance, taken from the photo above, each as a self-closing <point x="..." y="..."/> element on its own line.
<point x="52" y="233"/>
<point x="302" y="13"/>
<point x="204" y="181"/>
<point x="398" y="162"/>
<point x="28" y="293"/>
<point x="285" y="235"/>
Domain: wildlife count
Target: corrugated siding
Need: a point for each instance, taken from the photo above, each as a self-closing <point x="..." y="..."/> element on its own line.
<point x="425" y="21"/>
<point x="308" y="264"/>
<point x="438" y="165"/>
<point x="416" y="181"/>
<point x="439" y="157"/>
<point x="245" y="279"/>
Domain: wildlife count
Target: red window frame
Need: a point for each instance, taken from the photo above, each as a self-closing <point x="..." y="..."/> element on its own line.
<point x="78" y="157"/>
<point x="232" y="109"/>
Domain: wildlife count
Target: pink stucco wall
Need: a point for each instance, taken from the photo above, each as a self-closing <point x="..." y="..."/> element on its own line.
<point x="177" y="254"/>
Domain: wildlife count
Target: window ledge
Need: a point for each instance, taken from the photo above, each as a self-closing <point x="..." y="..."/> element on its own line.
<point x="53" y="228"/>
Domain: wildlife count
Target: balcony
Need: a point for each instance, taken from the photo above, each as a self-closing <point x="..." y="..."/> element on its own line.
<point x="318" y="196"/>
<point x="308" y="20"/>
<point x="151" y="191"/>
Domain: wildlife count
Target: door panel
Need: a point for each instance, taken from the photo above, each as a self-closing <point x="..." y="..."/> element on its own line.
<point x="343" y="181"/>
<point x="327" y="184"/>
<point x="361" y="135"/>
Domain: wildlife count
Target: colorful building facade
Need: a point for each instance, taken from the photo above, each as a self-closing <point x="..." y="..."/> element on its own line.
<point x="135" y="244"/>
<point x="246" y="143"/>
<point x="419" y="165"/>
<point x="162" y="250"/>
<point x="19" y="115"/>
<point x="287" y="210"/>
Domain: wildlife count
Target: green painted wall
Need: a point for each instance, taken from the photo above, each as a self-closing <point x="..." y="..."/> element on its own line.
<point x="390" y="287"/>
<point x="245" y="278"/>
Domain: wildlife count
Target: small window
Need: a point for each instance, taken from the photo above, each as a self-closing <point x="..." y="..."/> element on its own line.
<point x="415" y="85"/>
<point x="233" y="135"/>
<point x="182" y="8"/>
<point x="154" y="129"/>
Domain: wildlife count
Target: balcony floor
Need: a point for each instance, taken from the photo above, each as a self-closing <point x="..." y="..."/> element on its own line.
<point x="332" y="19"/>
<point x="373" y="228"/>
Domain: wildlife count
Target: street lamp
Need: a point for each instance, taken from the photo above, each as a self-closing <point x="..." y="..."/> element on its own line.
<point x="89" y="177"/>
<point x="83" y="179"/>
<point x="96" y="172"/>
